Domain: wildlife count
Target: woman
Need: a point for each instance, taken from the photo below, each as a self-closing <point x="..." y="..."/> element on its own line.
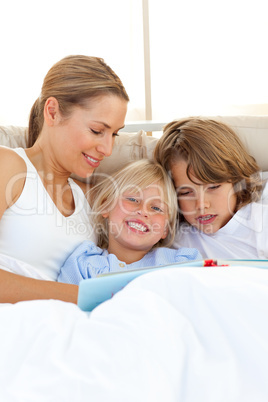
<point x="44" y="213"/>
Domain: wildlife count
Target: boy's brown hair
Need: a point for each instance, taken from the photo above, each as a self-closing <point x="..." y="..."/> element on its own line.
<point x="214" y="154"/>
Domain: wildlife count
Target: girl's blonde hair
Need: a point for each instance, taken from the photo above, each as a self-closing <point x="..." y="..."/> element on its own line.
<point x="136" y="175"/>
<point x="73" y="81"/>
<point x="214" y="154"/>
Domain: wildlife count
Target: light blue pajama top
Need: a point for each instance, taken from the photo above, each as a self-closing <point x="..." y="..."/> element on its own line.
<point x="88" y="261"/>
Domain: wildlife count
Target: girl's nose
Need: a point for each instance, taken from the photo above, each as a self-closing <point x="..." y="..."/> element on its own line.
<point x="142" y="210"/>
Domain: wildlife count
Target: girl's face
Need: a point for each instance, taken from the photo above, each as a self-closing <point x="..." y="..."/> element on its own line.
<point x="80" y="142"/>
<point x="138" y="219"/>
<point x="208" y="207"/>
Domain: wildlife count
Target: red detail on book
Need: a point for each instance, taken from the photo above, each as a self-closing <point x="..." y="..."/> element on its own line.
<point x="213" y="263"/>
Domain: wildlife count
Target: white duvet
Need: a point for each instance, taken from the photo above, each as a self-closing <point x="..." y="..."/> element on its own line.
<point x="187" y="334"/>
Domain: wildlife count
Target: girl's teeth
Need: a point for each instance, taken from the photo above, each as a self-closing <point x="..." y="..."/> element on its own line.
<point x="137" y="226"/>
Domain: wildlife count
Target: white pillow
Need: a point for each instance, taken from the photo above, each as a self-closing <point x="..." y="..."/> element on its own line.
<point x="128" y="147"/>
<point x="253" y="131"/>
<point x="13" y="137"/>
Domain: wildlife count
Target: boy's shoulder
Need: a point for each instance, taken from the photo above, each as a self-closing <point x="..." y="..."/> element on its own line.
<point x="264" y="195"/>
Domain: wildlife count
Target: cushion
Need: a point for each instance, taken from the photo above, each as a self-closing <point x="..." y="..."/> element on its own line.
<point x="128" y="147"/>
<point x="253" y="131"/>
<point x="13" y="137"/>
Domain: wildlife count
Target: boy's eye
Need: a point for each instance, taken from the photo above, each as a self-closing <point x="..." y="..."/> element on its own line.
<point x="183" y="193"/>
<point x="214" y="186"/>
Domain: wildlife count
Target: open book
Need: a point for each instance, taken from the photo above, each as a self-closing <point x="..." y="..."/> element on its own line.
<point x="94" y="291"/>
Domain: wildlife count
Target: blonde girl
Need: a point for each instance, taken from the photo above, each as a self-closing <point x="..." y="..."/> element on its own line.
<point x="134" y="217"/>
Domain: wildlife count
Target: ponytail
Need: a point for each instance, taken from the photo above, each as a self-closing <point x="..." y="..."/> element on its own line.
<point x="35" y="121"/>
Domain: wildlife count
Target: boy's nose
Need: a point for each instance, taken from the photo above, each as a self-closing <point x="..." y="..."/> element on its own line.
<point x="202" y="201"/>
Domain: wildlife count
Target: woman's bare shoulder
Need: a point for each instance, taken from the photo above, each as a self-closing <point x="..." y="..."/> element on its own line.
<point x="10" y="159"/>
<point x="13" y="171"/>
<point x="11" y="164"/>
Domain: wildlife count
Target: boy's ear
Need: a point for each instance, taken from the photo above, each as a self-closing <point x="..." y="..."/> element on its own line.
<point x="51" y="111"/>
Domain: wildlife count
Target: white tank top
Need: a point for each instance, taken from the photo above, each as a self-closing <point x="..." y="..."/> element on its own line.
<point x="35" y="232"/>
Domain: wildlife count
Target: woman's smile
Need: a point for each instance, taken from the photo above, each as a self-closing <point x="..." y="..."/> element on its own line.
<point x="92" y="161"/>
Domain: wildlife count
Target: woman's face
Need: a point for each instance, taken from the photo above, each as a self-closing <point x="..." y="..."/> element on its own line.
<point x="83" y="139"/>
<point x="208" y="207"/>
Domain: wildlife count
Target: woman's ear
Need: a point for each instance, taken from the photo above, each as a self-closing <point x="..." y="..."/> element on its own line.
<point x="51" y="111"/>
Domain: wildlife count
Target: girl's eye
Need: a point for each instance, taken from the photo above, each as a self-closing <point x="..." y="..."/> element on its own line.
<point x="132" y="199"/>
<point x="157" y="209"/>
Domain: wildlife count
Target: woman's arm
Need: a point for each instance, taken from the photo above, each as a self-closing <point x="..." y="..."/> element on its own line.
<point x="15" y="288"/>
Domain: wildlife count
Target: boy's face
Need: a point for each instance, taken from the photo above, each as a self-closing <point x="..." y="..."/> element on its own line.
<point x="208" y="207"/>
<point x="138" y="219"/>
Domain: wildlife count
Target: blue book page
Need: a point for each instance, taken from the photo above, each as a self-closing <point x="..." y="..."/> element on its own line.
<point x="246" y="262"/>
<point x="95" y="291"/>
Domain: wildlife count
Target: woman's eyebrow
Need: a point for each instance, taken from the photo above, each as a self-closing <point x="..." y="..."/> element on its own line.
<point x="105" y="124"/>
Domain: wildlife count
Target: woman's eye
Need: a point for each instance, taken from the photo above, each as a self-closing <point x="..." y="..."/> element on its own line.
<point x="94" y="131"/>
<point x="100" y="132"/>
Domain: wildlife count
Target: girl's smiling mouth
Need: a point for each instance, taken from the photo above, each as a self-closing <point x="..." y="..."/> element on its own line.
<point x="137" y="226"/>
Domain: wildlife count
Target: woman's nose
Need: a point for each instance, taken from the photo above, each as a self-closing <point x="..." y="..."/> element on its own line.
<point x="105" y="145"/>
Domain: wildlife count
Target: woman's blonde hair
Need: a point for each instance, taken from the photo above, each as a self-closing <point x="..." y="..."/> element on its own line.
<point x="214" y="154"/>
<point x="136" y="175"/>
<point x="73" y="81"/>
